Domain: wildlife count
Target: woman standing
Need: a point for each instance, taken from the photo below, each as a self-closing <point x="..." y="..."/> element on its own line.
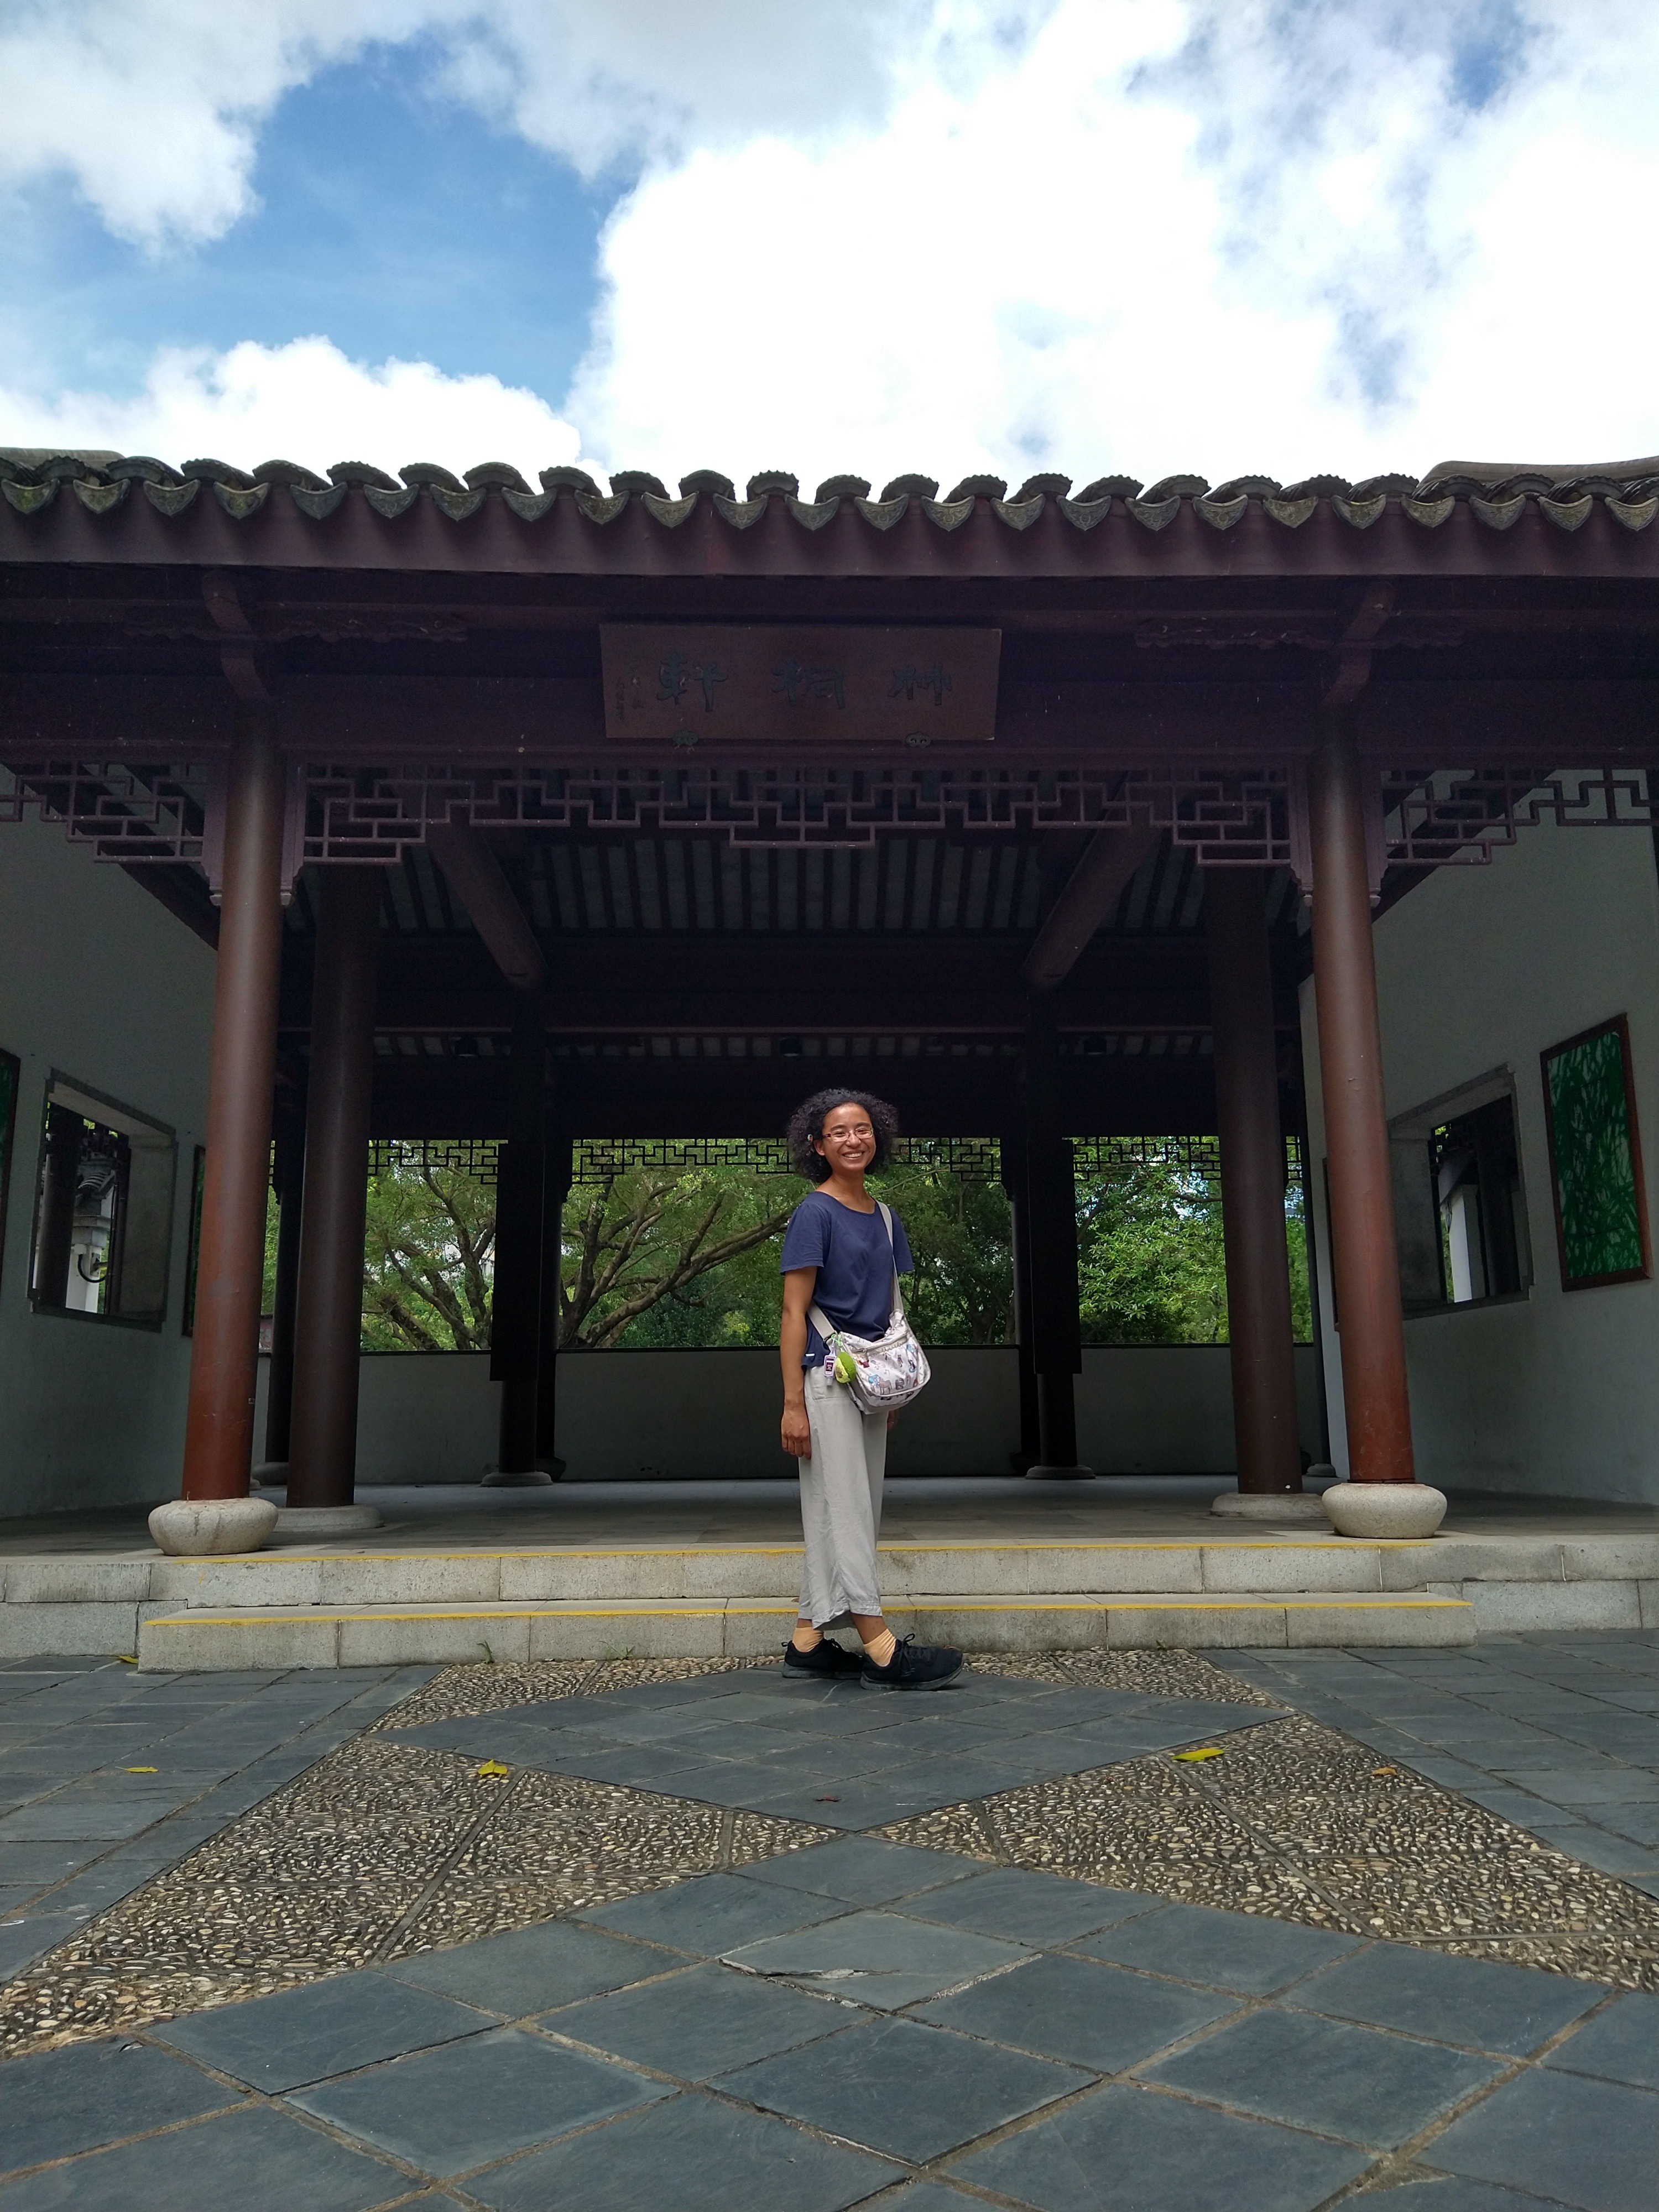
<point x="839" y="1257"/>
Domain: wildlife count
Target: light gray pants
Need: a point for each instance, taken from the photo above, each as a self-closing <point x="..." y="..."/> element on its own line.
<point x="841" y="1503"/>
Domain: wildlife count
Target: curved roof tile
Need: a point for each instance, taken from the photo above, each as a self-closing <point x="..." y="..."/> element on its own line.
<point x="1496" y="493"/>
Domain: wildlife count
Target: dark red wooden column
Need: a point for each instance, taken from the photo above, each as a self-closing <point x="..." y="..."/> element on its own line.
<point x="1365" y="1266"/>
<point x="1028" y="1453"/>
<point x="230" y="1267"/>
<point x="1048" y="1190"/>
<point x="515" y="1342"/>
<point x="288" y="1180"/>
<point x="1252" y="1183"/>
<point x="329" y="1304"/>
<point x="556" y="1165"/>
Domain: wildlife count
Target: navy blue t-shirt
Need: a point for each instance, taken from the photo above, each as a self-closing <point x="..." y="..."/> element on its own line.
<point x="854" y="1262"/>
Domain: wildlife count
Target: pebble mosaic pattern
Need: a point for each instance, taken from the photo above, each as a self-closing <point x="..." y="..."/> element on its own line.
<point x="377" y="1851"/>
<point x="382" y="1849"/>
<point x="468" y="1692"/>
<point x="1297" y="1821"/>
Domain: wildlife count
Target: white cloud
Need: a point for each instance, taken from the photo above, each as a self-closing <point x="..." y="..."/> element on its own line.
<point x="1147" y="236"/>
<point x="153" y="108"/>
<point x="1220" y="238"/>
<point x="304" y="401"/>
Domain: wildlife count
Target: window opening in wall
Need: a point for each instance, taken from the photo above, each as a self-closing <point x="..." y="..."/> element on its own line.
<point x="104" y="1209"/>
<point x="1460" y="1204"/>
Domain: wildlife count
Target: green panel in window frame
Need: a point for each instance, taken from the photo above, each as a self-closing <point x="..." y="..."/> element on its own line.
<point x="1595" y="1158"/>
<point x="10" y="1069"/>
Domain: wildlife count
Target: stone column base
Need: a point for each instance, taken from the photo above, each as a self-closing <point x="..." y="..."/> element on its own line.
<point x="325" y="1520"/>
<point x="190" y="1527"/>
<point x="530" y="1478"/>
<point x="1396" y="1510"/>
<point x="1268" y="1505"/>
<point x="1060" y="1475"/>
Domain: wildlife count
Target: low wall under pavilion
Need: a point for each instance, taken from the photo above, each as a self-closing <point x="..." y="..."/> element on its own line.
<point x="661" y="1415"/>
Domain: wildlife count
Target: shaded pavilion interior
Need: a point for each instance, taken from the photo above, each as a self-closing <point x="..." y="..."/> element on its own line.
<point x="1225" y="725"/>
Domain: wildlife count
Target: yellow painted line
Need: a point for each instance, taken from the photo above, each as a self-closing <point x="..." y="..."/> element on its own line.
<point x="332" y="1616"/>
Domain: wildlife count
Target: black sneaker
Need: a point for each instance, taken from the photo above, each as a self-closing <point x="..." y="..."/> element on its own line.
<point x="913" y="1667"/>
<point x="827" y="1661"/>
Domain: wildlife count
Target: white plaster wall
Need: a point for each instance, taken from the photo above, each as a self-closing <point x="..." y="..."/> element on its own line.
<point x="99" y="982"/>
<point x="432" y="1417"/>
<point x="1480" y="969"/>
<point x="1167" y="1408"/>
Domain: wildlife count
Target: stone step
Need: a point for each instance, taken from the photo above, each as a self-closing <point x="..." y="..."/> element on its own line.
<point x="207" y="1640"/>
<point x="361" y="1575"/>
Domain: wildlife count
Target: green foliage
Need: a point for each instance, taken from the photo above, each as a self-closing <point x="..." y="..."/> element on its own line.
<point x="686" y="1255"/>
<point x="963" y="1291"/>
<point x="673" y="1256"/>
<point x="1151" y="1268"/>
<point x="427" y="1258"/>
<point x="1151" y="1264"/>
<point x="273" y="1218"/>
<point x="1595" y="1173"/>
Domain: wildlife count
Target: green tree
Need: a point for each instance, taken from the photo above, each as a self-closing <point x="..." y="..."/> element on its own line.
<point x="682" y="1254"/>
<point x="638" y="1245"/>
<point x="1151" y="1263"/>
<point x="429" y="1258"/>
<point x="961" y="1239"/>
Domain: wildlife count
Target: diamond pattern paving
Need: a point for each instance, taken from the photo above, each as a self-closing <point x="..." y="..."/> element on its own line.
<point x="834" y="1755"/>
<point x="747" y="2013"/>
<point x="637" y="2055"/>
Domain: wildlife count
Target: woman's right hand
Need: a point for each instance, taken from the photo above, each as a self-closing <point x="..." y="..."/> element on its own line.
<point x="797" y="1435"/>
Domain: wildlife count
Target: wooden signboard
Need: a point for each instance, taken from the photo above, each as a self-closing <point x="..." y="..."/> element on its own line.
<point x="798" y="688"/>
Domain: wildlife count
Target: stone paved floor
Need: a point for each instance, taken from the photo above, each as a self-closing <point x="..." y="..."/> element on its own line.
<point x="1559" y="1734"/>
<point x="735" y="2007"/>
<point x="108" y="1776"/>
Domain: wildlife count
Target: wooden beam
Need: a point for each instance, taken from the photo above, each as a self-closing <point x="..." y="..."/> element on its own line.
<point x="1122" y="1094"/>
<point x="692" y="983"/>
<point x="1094" y="888"/>
<point x="476" y="878"/>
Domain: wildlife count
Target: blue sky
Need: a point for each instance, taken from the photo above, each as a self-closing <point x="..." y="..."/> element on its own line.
<point x="391" y="219"/>
<point x="950" y="234"/>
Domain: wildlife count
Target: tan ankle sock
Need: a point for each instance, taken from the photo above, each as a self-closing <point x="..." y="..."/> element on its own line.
<point x="806" y="1638"/>
<point x="881" y="1647"/>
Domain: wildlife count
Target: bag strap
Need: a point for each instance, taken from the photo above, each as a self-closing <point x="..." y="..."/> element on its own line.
<point x="886" y="1213"/>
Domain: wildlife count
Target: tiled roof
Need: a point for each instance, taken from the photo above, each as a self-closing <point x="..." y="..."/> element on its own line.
<point x="1496" y="494"/>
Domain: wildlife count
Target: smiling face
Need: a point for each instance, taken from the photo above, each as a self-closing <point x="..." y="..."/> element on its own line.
<point x="847" y="1139"/>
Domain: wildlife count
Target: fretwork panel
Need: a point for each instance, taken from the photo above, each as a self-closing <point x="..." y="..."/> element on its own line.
<point x="1197" y="1156"/>
<point x="1224" y="815"/>
<point x="1440" y="816"/>
<point x="129" y="810"/>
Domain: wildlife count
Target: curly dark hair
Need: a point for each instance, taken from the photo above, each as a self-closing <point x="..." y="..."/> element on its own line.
<point x="807" y="1122"/>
